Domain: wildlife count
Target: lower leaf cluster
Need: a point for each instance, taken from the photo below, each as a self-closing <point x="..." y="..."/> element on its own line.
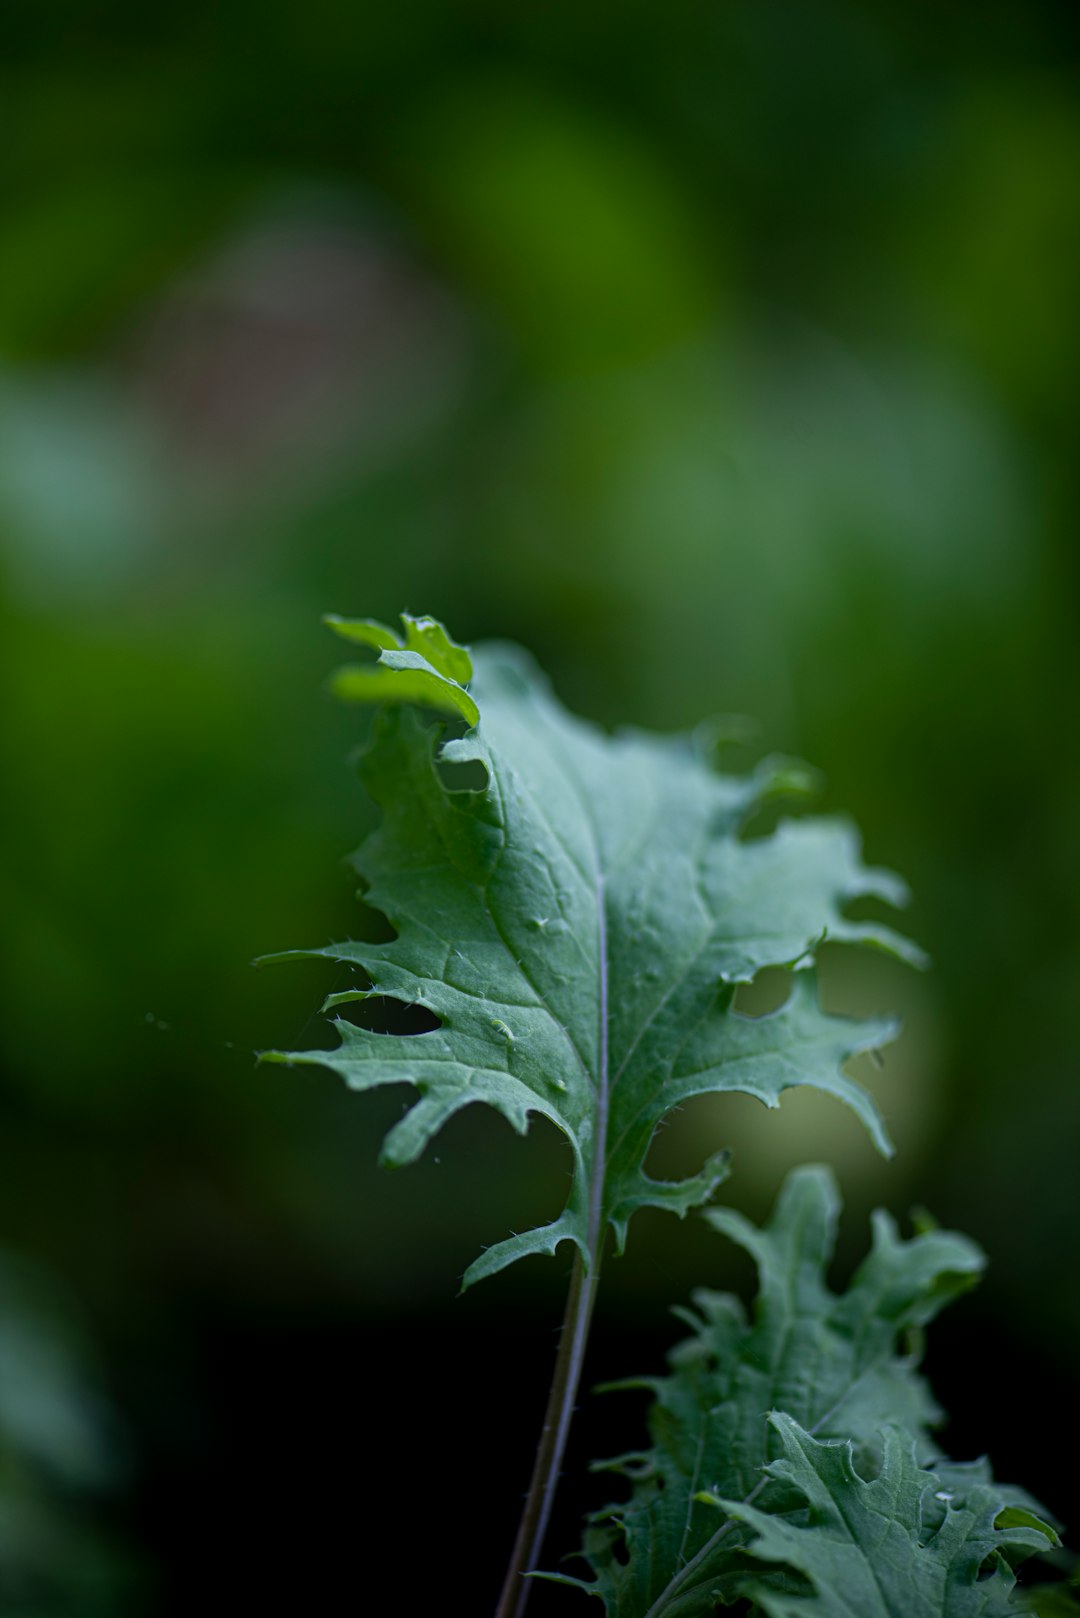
<point x="793" y="1463"/>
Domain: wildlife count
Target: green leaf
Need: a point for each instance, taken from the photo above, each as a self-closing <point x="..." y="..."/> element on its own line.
<point x="579" y="925"/>
<point x="894" y="1546"/>
<point x="830" y="1360"/>
<point x="426" y="668"/>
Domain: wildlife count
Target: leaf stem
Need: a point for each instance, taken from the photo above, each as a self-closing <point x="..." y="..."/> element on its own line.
<point x="553" y="1436"/>
<point x="576" y="1321"/>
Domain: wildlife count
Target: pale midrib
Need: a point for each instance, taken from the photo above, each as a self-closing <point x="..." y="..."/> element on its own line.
<point x="594" y="1235"/>
<point x="571" y="1356"/>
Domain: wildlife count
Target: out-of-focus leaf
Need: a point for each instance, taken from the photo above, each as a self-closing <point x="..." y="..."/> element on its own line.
<point x="831" y="1360"/>
<point x="884" y="1548"/>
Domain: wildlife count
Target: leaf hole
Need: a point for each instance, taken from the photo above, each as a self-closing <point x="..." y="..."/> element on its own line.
<point x="620" y="1551"/>
<point x="762" y="820"/>
<point x="868" y="907"/>
<point x="380" y="1014"/>
<point x="467" y="775"/>
<point x="685" y="1136"/>
<point x="764" y="994"/>
<point x="369" y="924"/>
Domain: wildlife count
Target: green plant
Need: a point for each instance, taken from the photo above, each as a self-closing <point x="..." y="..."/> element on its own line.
<point x="577" y="911"/>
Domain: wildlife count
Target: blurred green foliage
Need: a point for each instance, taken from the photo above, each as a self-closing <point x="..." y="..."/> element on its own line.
<point x="723" y="355"/>
<point x="60" y="1449"/>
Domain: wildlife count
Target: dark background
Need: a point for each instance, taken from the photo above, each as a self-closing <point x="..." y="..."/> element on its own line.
<point x="725" y="355"/>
